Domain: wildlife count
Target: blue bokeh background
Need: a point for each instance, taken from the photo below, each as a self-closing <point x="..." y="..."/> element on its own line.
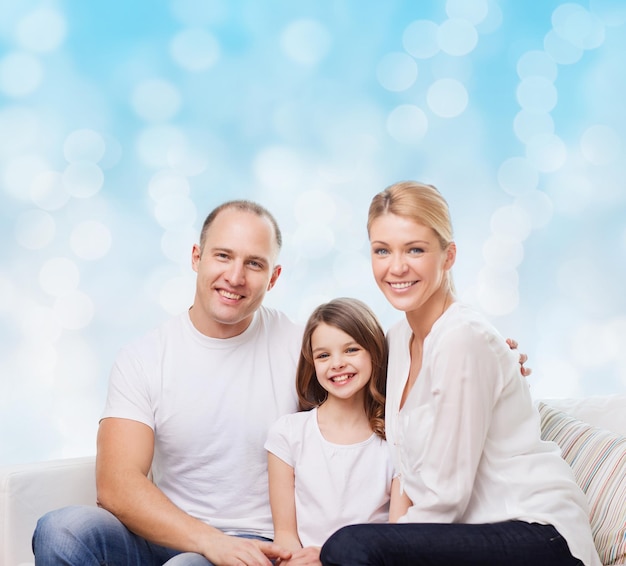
<point x="123" y="123"/>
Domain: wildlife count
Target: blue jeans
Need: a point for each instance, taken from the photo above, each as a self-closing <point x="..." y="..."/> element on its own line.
<point x="511" y="543"/>
<point x="90" y="536"/>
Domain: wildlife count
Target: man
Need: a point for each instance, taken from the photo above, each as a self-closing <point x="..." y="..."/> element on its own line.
<point x="190" y="403"/>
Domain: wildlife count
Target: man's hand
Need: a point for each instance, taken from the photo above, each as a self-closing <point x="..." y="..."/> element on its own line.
<point x="225" y="550"/>
<point x="309" y="556"/>
<point x="523" y="358"/>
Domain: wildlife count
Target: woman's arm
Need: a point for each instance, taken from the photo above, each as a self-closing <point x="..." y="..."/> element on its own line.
<point x="399" y="503"/>
<point x="283" y="503"/>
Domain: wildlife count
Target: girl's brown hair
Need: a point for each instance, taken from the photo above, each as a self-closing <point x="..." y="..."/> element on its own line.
<point x="357" y="320"/>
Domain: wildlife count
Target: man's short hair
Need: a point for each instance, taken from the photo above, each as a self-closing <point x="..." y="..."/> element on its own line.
<point x="244" y="206"/>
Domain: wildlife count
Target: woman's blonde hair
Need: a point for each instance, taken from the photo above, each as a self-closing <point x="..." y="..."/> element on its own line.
<point x="357" y="320"/>
<point x="418" y="202"/>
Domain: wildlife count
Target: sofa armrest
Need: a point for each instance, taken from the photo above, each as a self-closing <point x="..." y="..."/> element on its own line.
<point x="28" y="491"/>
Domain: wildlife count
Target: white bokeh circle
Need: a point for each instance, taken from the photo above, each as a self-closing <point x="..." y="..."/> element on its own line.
<point x="48" y="191"/>
<point x="546" y="152"/>
<point x="503" y="253"/>
<point x="560" y="50"/>
<point x="279" y="168"/>
<point x="176" y="293"/>
<point x="8" y="294"/>
<point x="517" y="176"/>
<point x="315" y="206"/>
<point x="497" y="290"/>
<point x="90" y="240"/>
<point x="474" y="11"/>
<point x="578" y="26"/>
<point x="306" y="41"/>
<point x="41" y="30"/>
<point x="74" y="311"/>
<point x="536" y="63"/>
<point x="34" y="229"/>
<point x="175" y="212"/>
<point x="156" y="144"/>
<point x="313" y="241"/>
<point x="420" y="39"/>
<point x="527" y="125"/>
<point x="447" y="98"/>
<point x="38" y="323"/>
<point x="176" y="244"/>
<point x="611" y="12"/>
<point x="601" y="144"/>
<point x="396" y="72"/>
<point x="84" y="145"/>
<point x="20" y="173"/>
<point x="83" y="179"/>
<point x="538" y="206"/>
<point x="407" y="123"/>
<point x="195" y="49"/>
<point x="457" y="37"/>
<point x="511" y="222"/>
<point x="156" y="100"/>
<point x="537" y="95"/>
<point x="59" y="276"/>
<point x="20" y="74"/>
<point x="167" y="183"/>
<point x="24" y="125"/>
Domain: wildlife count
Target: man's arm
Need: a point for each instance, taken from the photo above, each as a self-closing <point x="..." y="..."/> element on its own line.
<point x="124" y="457"/>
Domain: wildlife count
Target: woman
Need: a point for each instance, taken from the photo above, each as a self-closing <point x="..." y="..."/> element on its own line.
<point x="479" y="486"/>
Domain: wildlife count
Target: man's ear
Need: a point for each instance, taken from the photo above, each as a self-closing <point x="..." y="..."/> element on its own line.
<point x="196" y="254"/>
<point x="275" y="273"/>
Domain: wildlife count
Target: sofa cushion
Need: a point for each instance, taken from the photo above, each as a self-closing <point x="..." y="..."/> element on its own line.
<point x="598" y="459"/>
<point x="602" y="411"/>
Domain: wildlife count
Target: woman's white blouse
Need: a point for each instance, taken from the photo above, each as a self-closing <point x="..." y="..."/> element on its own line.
<point x="466" y="443"/>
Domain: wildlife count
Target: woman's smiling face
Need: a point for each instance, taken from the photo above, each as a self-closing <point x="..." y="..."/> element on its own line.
<point x="408" y="262"/>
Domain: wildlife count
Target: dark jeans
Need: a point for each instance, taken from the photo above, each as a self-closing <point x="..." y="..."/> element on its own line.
<point x="511" y="543"/>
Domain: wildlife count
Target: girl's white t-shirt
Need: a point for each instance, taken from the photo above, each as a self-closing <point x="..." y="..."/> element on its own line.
<point x="335" y="484"/>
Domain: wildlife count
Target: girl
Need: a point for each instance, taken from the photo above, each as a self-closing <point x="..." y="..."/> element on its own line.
<point x="329" y="465"/>
<point x="480" y="485"/>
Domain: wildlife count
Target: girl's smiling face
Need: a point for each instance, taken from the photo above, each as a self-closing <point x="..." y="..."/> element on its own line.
<point x="408" y="261"/>
<point x="342" y="366"/>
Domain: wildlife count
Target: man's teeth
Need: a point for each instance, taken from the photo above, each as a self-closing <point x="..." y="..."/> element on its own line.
<point x="229" y="295"/>
<point x="341" y="378"/>
<point x="401" y="285"/>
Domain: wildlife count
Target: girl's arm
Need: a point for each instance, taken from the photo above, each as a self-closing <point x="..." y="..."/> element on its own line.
<point x="283" y="503"/>
<point x="399" y="503"/>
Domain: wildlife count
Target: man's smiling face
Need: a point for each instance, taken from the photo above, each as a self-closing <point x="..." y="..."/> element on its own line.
<point x="235" y="267"/>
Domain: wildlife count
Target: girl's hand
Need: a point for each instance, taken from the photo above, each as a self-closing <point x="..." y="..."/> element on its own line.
<point x="523" y="358"/>
<point x="308" y="556"/>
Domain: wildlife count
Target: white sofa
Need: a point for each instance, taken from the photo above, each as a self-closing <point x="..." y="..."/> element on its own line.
<point x="28" y="491"/>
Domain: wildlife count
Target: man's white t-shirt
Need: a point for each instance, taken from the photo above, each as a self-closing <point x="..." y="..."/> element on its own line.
<point x="210" y="403"/>
<point x="335" y="484"/>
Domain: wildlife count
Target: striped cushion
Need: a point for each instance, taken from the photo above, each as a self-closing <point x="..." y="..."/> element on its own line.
<point x="598" y="459"/>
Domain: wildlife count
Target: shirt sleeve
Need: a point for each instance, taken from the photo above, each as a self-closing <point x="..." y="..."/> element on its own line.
<point x="446" y="434"/>
<point x="128" y="394"/>
<point x="278" y="440"/>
